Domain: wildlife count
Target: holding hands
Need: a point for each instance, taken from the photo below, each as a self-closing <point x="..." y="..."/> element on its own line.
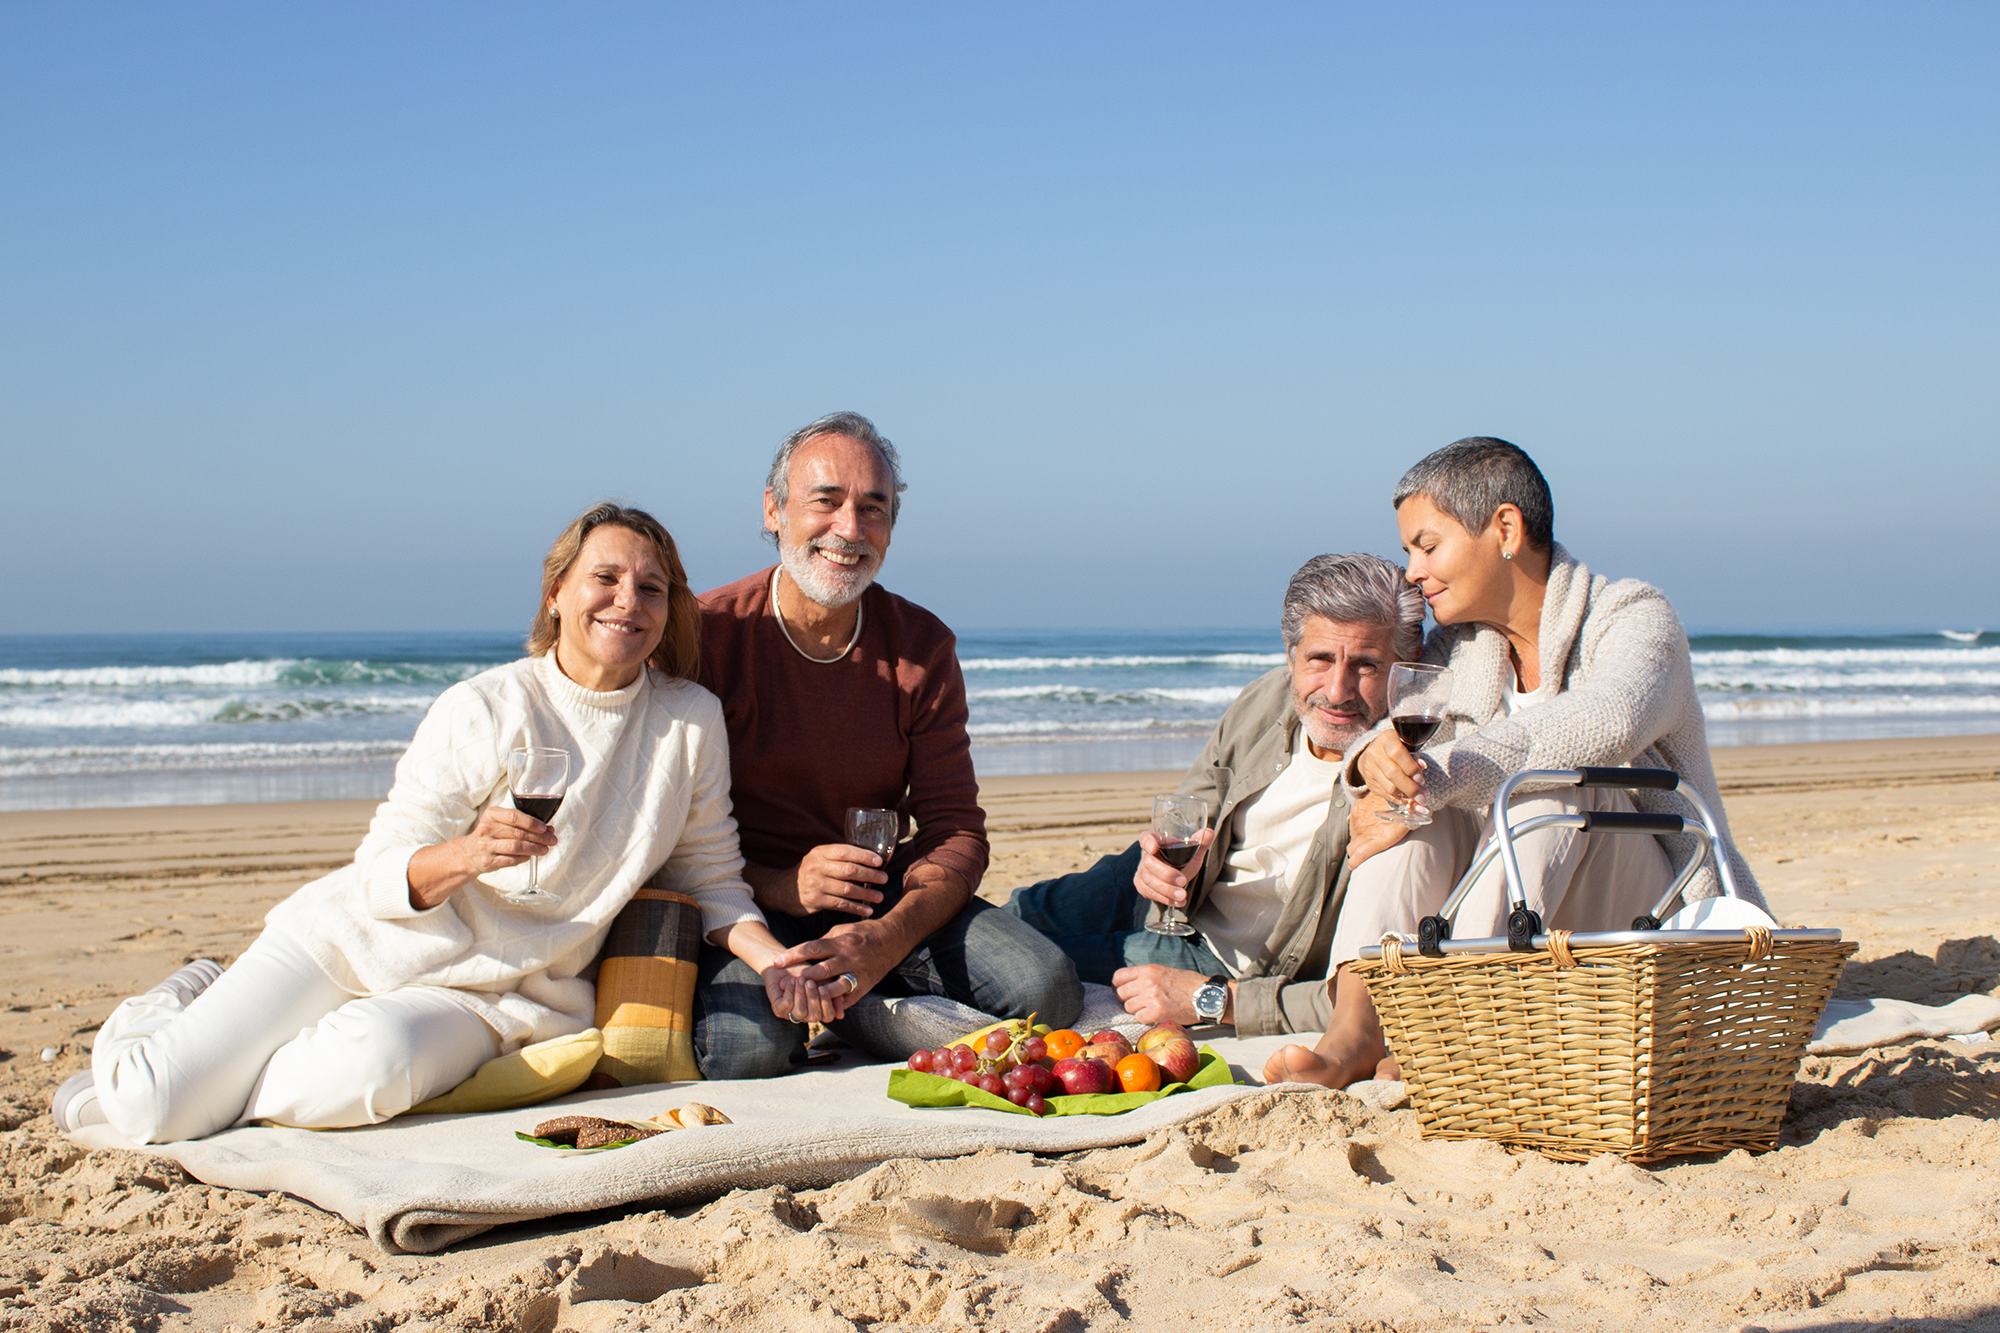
<point x="794" y="997"/>
<point x="793" y="986"/>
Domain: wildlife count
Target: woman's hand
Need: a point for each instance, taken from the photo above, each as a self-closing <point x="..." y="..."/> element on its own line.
<point x="1390" y="770"/>
<point x="791" y="994"/>
<point x="501" y="837"/>
<point x="1159" y="882"/>
<point x="802" y="1001"/>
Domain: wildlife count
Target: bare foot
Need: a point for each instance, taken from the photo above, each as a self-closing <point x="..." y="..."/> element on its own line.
<point x="1388" y="1070"/>
<point x="1296" y="1064"/>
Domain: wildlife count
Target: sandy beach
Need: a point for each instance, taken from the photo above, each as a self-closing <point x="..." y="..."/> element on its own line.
<point x="1881" y="1205"/>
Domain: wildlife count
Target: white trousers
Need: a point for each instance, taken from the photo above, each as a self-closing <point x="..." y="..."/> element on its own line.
<point x="1577" y="881"/>
<point x="275" y="1039"/>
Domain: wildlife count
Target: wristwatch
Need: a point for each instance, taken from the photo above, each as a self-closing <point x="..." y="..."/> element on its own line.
<point x="1211" y="1001"/>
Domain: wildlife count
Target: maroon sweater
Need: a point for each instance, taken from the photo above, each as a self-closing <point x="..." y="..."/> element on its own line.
<point x="882" y="727"/>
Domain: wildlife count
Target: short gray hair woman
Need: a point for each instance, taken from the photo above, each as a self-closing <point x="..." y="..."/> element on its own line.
<point x="1553" y="667"/>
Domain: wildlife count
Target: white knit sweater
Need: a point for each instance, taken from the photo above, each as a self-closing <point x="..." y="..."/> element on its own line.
<point x="649" y="788"/>
<point x="1617" y="690"/>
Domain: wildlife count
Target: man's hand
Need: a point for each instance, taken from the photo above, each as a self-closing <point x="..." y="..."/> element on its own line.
<point x="1157" y="994"/>
<point x="799" y="1000"/>
<point x="1368" y="833"/>
<point x="835" y="877"/>
<point x="846" y="948"/>
<point x="1159" y="882"/>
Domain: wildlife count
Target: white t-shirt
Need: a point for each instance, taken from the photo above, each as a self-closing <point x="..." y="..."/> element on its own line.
<point x="1278" y="826"/>
<point x="1513" y="701"/>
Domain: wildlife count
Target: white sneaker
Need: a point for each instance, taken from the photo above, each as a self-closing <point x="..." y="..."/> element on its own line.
<point x="75" y="1103"/>
<point x="190" y="981"/>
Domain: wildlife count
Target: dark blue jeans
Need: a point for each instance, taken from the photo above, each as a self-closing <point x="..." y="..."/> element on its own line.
<point x="1098" y="919"/>
<point x="982" y="957"/>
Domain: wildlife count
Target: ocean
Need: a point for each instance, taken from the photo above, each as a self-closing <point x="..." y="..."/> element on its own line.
<point x="105" y="720"/>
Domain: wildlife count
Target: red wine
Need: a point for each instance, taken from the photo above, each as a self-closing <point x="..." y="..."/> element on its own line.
<point x="1178" y="854"/>
<point x="538" y="807"/>
<point x="1414" y="731"/>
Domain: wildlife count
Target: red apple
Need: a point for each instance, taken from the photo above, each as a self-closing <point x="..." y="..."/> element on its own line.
<point x="1177" y="1058"/>
<point x="1111" y="1052"/>
<point x="1084" y="1077"/>
<point x="1108" y="1035"/>
<point x="1160" y="1032"/>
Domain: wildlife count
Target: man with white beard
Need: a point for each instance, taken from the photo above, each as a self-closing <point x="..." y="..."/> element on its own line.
<point x="839" y="694"/>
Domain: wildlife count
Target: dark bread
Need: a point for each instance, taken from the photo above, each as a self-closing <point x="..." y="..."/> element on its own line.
<point x="589" y="1131"/>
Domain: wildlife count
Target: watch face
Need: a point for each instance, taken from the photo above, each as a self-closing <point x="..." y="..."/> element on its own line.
<point x="1210" y="1001"/>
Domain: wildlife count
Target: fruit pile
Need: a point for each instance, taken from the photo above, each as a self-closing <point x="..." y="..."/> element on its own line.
<point x="1027" y="1064"/>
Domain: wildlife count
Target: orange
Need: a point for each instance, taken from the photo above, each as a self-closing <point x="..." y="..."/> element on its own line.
<point x="1138" y="1073"/>
<point x="1063" y="1043"/>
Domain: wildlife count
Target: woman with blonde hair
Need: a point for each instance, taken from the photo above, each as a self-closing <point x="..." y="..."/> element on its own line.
<point x="392" y="979"/>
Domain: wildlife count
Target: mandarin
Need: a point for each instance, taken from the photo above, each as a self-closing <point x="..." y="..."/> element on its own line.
<point x="1063" y="1043"/>
<point x="1138" y="1073"/>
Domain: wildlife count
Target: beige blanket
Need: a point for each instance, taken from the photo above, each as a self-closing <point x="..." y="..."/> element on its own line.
<point x="420" y="1183"/>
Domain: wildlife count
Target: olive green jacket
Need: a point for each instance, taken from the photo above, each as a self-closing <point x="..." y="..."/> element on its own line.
<point x="1284" y="989"/>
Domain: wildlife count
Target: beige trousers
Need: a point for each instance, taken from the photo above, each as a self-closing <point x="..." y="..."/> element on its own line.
<point x="1577" y="881"/>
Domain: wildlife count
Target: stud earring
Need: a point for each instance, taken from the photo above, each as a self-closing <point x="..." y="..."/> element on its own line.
<point x="1506" y="555"/>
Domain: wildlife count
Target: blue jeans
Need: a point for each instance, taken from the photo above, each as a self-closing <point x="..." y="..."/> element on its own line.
<point x="1098" y="919"/>
<point x="982" y="957"/>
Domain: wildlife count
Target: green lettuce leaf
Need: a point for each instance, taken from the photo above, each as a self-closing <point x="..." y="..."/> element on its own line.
<point x="913" y="1089"/>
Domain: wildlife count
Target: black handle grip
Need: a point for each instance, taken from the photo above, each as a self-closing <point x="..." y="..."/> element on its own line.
<point x="1623" y="821"/>
<point x="1523" y="924"/>
<point x="1632" y="779"/>
<point x="1432" y="932"/>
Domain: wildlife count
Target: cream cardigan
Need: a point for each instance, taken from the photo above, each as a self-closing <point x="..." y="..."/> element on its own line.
<point x="1617" y="689"/>
<point x="649" y="790"/>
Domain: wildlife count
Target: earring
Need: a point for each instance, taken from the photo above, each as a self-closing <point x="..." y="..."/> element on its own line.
<point x="1506" y="555"/>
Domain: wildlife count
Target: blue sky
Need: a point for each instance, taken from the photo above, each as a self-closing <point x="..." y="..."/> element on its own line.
<point x="329" y="317"/>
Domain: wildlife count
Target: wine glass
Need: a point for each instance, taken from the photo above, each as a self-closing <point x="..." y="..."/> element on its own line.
<point x="537" y="779"/>
<point x="1177" y="822"/>
<point x="875" y="830"/>
<point x="1418" y="695"/>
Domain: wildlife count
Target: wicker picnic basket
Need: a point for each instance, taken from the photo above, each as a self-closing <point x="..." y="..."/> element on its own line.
<point x="1647" y="1043"/>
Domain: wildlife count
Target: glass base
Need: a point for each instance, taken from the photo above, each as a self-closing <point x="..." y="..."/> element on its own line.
<point x="1414" y="817"/>
<point x="530" y="898"/>
<point x="1168" y="927"/>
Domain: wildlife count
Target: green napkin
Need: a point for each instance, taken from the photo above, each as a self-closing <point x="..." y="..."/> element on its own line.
<point x="913" y="1089"/>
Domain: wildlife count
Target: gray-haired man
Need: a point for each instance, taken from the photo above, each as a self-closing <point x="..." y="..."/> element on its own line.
<point x="1271" y="776"/>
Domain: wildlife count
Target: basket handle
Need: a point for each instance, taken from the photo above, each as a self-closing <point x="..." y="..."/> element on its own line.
<point x="1631" y="821"/>
<point x="1523" y="923"/>
<point x="1631" y="779"/>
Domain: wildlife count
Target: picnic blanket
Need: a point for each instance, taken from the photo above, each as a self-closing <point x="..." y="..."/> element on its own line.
<point x="421" y="1182"/>
<point x="1856" y="1025"/>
